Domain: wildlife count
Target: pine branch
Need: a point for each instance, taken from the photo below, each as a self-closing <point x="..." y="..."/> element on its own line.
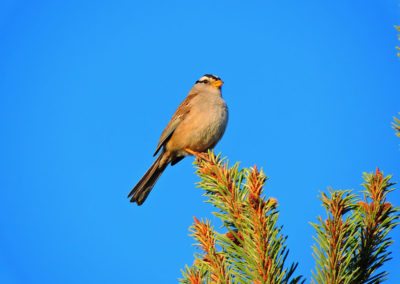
<point x="335" y="239"/>
<point x="398" y="37"/>
<point x="210" y="265"/>
<point x="396" y="123"/>
<point x="377" y="218"/>
<point x="252" y="249"/>
<point x="353" y="242"/>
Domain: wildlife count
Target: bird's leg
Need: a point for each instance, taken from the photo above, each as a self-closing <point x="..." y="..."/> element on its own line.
<point x="198" y="155"/>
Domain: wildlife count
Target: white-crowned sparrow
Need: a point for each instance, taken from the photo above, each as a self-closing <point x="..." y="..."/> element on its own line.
<point x="196" y="126"/>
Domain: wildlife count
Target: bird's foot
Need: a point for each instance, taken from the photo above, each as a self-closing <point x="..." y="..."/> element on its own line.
<point x="198" y="155"/>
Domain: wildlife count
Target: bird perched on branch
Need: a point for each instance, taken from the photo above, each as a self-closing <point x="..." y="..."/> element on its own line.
<point x="196" y="126"/>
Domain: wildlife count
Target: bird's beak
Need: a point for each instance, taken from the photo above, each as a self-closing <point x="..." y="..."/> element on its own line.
<point x="218" y="83"/>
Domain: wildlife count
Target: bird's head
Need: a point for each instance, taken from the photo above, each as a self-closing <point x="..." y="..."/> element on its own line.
<point x="210" y="80"/>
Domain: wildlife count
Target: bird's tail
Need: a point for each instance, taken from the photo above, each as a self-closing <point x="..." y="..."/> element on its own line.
<point x="142" y="189"/>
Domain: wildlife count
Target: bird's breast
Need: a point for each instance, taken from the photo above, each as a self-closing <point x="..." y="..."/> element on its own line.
<point x="203" y="126"/>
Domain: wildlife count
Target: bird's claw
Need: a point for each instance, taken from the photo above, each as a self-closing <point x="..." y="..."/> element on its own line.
<point x="198" y="155"/>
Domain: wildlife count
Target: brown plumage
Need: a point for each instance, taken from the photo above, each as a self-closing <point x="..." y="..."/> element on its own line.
<point x="196" y="126"/>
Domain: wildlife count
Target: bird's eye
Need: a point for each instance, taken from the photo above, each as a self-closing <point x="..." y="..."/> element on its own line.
<point x="204" y="81"/>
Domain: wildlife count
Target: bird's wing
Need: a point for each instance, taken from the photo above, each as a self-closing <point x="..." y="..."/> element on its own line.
<point x="176" y="119"/>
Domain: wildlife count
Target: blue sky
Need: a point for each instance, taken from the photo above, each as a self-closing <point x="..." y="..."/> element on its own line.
<point x="86" y="87"/>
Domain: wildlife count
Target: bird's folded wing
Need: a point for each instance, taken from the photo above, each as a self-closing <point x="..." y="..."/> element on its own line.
<point x="167" y="133"/>
<point x="176" y="119"/>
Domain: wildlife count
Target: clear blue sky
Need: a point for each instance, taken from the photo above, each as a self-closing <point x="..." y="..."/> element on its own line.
<point x="86" y="87"/>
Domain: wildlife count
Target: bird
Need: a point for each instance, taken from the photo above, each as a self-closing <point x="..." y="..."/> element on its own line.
<point x="197" y="125"/>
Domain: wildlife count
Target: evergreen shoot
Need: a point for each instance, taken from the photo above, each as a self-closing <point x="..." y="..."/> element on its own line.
<point x="396" y="126"/>
<point x="398" y="37"/>
<point x="251" y="248"/>
<point x="351" y="243"/>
